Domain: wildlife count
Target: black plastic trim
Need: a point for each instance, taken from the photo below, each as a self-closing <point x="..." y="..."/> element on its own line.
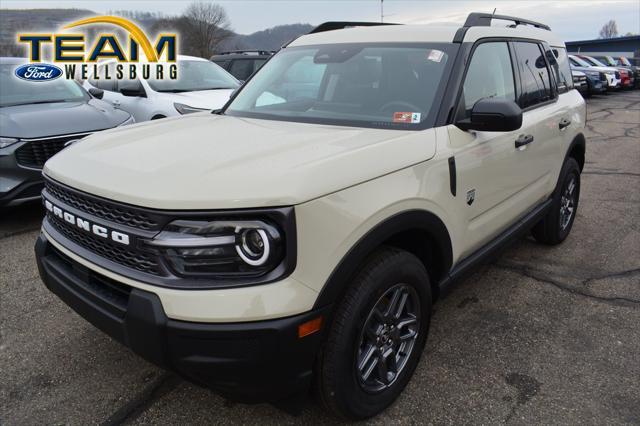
<point x="452" y="175"/>
<point x="262" y="361"/>
<point x="466" y="265"/>
<point x="476" y="19"/>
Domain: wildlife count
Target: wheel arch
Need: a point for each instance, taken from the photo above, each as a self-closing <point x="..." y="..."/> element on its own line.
<point x="419" y="232"/>
<point x="577" y="150"/>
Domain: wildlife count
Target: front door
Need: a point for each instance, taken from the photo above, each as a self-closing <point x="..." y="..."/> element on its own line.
<point x="492" y="175"/>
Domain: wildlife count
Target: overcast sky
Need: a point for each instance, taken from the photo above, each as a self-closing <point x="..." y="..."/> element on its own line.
<point x="571" y="19"/>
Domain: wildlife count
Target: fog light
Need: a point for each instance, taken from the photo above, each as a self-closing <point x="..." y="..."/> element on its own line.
<point x="254" y="246"/>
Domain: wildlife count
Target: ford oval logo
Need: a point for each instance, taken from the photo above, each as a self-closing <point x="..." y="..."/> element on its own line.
<point x="38" y="72"/>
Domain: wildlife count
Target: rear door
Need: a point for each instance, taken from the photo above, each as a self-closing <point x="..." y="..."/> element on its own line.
<point x="543" y="119"/>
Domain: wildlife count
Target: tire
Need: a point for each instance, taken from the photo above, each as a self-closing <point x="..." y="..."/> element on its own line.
<point x="340" y="386"/>
<point x="556" y="225"/>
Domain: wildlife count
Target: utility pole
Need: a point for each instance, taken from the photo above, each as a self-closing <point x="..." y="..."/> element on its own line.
<point x="381" y="11"/>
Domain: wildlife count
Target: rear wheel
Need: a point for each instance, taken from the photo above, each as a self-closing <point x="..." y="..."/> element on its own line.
<point x="377" y="336"/>
<point x="556" y="225"/>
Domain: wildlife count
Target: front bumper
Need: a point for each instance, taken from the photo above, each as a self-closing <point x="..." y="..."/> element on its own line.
<point x="250" y="362"/>
<point x="596" y="85"/>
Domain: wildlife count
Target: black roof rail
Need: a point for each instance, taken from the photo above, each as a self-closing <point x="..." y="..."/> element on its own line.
<point x="484" y="20"/>
<point x="339" y="25"/>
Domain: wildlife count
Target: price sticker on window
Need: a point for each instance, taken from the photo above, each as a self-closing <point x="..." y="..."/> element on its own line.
<point x="406" y="117"/>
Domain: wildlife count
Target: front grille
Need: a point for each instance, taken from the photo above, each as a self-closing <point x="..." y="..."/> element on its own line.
<point x="116" y="213"/>
<point x="121" y="255"/>
<point x="36" y="152"/>
<point x="603" y="77"/>
<point x="617" y="74"/>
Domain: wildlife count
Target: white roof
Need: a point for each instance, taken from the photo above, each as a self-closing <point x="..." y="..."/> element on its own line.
<point x="422" y="33"/>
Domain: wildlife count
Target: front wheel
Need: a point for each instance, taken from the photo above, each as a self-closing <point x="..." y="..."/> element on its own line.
<point x="556" y="225"/>
<point x="377" y="335"/>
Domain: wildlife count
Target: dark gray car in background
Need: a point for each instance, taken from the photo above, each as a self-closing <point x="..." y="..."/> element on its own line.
<point x="37" y="120"/>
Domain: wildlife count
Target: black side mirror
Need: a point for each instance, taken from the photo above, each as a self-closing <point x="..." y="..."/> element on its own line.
<point x="96" y="93"/>
<point x="493" y="115"/>
<point x="136" y="93"/>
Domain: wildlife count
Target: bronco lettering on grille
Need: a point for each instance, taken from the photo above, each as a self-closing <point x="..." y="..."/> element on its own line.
<point x="85" y="225"/>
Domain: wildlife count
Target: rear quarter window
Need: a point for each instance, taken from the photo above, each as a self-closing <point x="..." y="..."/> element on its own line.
<point x="560" y="66"/>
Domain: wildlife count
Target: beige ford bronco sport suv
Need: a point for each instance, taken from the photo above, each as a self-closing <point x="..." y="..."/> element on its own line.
<point x="300" y="235"/>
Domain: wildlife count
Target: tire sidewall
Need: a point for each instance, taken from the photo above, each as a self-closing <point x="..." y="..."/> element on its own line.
<point x="360" y="403"/>
<point x="569" y="170"/>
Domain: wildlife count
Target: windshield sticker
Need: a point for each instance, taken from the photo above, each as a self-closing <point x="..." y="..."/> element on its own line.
<point x="435" y="55"/>
<point x="406" y="117"/>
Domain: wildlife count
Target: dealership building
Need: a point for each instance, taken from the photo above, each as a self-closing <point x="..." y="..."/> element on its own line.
<point x="628" y="46"/>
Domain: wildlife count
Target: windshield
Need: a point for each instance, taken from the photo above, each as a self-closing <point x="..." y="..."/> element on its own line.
<point x="196" y="75"/>
<point x="387" y="85"/>
<point x="580" y="62"/>
<point x="14" y="91"/>
<point x="624" y="61"/>
<point x="593" y="61"/>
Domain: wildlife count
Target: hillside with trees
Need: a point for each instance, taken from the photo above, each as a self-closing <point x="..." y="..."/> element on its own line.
<point x="204" y="28"/>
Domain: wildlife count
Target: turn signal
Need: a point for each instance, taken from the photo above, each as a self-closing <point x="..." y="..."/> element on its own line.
<point x="309" y="327"/>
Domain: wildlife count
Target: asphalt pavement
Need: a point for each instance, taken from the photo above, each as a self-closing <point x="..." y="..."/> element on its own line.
<point x="543" y="335"/>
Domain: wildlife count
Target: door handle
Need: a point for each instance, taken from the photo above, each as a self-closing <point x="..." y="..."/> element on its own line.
<point x="115" y="103"/>
<point x="523" y="140"/>
<point x="564" y="123"/>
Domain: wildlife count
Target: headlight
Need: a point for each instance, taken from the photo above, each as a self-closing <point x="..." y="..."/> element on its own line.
<point x="221" y="248"/>
<point x="5" y="142"/>
<point x="610" y="72"/>
<point x="592" y="73"/>
<point x="186" y="109"/>
<point x="129" y="120"/>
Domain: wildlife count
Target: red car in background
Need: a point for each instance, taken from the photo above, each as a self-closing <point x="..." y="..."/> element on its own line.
<point x="626" y="76"/>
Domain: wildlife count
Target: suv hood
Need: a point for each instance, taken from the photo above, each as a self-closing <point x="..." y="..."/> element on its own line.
<point x="204" y="161"/>
<point x="41" y="120"/>
<point x="206" y="99"/>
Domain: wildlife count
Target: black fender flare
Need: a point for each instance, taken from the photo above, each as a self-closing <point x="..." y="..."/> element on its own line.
<point x="580" y="142"/>
<point x="419" y="220"/>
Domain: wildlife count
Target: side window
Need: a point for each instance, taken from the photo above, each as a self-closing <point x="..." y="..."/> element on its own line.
<point x="562" y="69"/>
<point x="490" y="75"/>
<point x="241" y="68"/>
<point x="133" y="85"/>
<point x="534" y="74"/>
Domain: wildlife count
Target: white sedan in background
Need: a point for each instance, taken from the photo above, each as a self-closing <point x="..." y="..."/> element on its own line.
<point x="201" y="86"/>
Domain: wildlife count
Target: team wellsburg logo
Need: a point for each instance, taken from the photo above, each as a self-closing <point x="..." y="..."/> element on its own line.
<point x="141" y="58"/>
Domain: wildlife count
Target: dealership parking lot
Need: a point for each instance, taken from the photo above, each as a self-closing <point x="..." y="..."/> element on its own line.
<point x="541" y="335"/>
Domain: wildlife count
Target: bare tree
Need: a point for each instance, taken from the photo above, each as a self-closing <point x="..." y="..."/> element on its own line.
<point x="205" y="26"/>
<point x="609" y="30"/>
